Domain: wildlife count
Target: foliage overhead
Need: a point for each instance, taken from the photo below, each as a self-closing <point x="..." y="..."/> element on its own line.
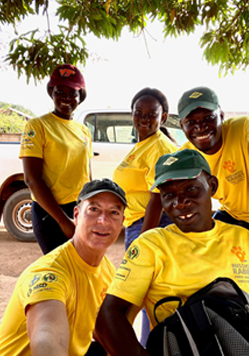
<point x="225" y="41"/>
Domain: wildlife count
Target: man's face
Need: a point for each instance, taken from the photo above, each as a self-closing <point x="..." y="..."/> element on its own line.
<point x="188" y="202"/>
<point x="98" y="221"/>
<point x="202" y="128"/>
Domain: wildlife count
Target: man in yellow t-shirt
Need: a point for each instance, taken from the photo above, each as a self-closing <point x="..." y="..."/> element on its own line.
<point x="225" y="145"/>
<point x="175" y="261"/>
<point x="56" y="300"/>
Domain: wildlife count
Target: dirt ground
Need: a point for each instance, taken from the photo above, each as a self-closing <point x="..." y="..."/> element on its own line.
<point x="16" y="256"/>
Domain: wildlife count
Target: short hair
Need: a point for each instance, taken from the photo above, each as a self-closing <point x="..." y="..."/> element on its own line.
<point x="156" y="94"/>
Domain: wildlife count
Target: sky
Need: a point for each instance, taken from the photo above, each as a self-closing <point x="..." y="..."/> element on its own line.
<point x="116" y="70"/>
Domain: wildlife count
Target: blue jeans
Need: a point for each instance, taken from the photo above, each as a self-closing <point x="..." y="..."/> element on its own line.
<point x="131" y="233"/>
<point x="227" y="218"/>
<point x="47" y="231"/>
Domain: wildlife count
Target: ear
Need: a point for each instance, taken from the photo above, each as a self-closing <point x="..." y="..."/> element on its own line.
<point x="213" y="183"/>
<point x="181" y="124"/>
<point x="50" y="91"/>
<point x="164" y="117"/>
<point x="222" y="115"/>
<point x="76" y="214"/>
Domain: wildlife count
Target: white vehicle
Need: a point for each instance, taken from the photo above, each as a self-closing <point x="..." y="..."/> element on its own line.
<point x="113" y="136"/>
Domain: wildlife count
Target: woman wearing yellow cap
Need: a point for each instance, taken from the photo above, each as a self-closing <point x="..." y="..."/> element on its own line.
<point x="56" y="152"/>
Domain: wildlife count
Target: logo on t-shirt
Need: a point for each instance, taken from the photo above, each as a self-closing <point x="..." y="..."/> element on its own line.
<point x="35" y="279"/>
<point x="131" y="158"/>
<point x="229" y="166"/>
<point x="50" y="277"/>
<point x="31" y="133"/>
<point x="133" y="252"/>
<point x="239" y="253"/>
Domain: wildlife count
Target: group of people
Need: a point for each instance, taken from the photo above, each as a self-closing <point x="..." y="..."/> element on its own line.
<point x="71" y="301"/>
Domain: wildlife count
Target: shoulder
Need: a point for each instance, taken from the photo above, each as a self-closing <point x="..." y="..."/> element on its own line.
<point x="82" y="127"/>
<point x="236" y="122"/>
<point x="188" y="145"/>
<point x="108" y="267"/>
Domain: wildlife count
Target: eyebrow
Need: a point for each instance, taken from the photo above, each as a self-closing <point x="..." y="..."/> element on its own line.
<point x="119" y="207"/>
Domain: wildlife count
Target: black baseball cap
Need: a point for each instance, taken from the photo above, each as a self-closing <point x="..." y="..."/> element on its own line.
<point x="99" y="186"/>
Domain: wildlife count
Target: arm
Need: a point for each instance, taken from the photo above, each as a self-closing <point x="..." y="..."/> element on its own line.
<point x="33" y="178"/>
<point x="114" y="330"/>
<point x="153" y="213"/>
<point x="48" y="329"/>
<point x="90" y="170"/>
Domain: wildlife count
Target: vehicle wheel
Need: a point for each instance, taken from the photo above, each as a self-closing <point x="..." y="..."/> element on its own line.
<point x="17" y="215"/>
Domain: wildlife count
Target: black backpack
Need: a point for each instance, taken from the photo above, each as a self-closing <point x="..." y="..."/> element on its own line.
<point x="214" y="321"/>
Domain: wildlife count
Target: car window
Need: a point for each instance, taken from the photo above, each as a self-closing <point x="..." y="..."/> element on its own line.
<point x="115" y="127"/>
<point x="110" y="127"/>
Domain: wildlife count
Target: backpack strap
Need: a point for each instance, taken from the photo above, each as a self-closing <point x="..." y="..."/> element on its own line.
<point x="196" y="323"/>
<point x="166" y="300"/>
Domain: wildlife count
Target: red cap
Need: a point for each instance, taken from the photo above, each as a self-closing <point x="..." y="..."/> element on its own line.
<point x="67" y="74"/>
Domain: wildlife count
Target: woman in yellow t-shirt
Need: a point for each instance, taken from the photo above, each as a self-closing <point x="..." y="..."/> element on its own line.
<point x="56" y="152"/>
<point x="135" y="174"/>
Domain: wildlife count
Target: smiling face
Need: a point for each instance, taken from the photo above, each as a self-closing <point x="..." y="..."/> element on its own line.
<point x="147" y="114"/>
<point x="98" y="221"/>
<point x="188" y="202"/>
<point x="65" y="99"/>
<point x="203" y="128"/>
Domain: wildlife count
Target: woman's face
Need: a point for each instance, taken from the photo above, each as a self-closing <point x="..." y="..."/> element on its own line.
<point x="147" y="115"/>
<point x="66" y="100"/>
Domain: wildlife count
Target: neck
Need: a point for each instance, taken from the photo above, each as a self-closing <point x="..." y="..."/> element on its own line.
<point x="91" y="257"/>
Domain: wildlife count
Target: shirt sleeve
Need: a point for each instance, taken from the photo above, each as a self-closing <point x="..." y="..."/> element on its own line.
<point x="41" y="285"/>
<point x="32" y="142"/>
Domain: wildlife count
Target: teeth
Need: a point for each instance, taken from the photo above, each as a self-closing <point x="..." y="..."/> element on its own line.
<point x="183" y="217"/>
<point x="202" y="137"/>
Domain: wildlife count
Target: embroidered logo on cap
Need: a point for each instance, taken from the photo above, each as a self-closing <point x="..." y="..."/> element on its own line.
<point x="195" y="95"/>
<point x="170" y="161"/>
<point x="66" y="72"/>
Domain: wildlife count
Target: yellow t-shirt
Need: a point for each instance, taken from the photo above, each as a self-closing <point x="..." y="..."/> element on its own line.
<point x="231" y="166"/>
<point x="136" y="173"/>
<point x="65" y="147"/>
<point x="166" y="262"/>
<point x="60" y="275"/>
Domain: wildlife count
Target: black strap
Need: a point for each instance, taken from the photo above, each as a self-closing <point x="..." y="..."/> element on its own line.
<point x="166" y="300"/>
<point x="197" y="321"/>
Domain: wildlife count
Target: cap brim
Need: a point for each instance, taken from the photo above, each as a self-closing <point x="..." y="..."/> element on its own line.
<point x="176" y="175"/>
<point x="195" y="105"/>
<point x="89" y="195"/>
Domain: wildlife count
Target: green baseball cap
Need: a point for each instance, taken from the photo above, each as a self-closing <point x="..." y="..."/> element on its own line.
<point x="199" y="97"/>
<point x="185" y="164"/>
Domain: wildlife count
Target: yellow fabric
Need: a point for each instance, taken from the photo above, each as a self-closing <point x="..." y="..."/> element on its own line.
<point x="65" y="147"/>
<point x="136" y="174"/>
<point x="166" y="262"/>
<point x="231" y="166"/>
<point x="60" y="275"/>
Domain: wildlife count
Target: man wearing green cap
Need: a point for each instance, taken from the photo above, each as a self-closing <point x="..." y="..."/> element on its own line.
<point x="224" y="144"/>
<point x="177" y="260"/>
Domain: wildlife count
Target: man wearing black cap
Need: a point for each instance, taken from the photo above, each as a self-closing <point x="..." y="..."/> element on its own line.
<point x="225" y="146"/>
<point x="55" y="302"/>
<point x="175" y="261"/>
